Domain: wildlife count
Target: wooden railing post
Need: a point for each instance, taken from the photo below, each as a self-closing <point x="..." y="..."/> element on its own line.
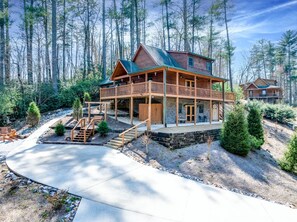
<point x="150" y="107"/>
<point x="123" y="139"/>
<point x="135" y="135"/>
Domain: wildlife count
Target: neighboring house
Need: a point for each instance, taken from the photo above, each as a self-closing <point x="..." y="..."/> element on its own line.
<point x="180" y="80"/>
<point x="263" y="89"/>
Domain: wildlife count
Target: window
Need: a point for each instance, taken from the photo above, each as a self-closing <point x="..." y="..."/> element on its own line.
<point x="201" y="107"/>
<point x="209" y="66"/>
<point x="191" y="61"/>
<point x="264" y="92"/>
<point x="180" y="108"/>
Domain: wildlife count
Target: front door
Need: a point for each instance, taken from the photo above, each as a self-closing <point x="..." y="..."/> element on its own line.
<point x="190" y="113"/>
<point x="215" y="112"/>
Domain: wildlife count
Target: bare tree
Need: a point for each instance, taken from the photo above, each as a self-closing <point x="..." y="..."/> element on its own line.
<point x="54" y="46"/>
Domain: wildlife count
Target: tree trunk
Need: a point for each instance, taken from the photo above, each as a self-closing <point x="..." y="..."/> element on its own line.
<point x="132" y="40"/>
<point x="137" y="23"/>
<point x="103" y="42"/>
<point x="185" y="18"/>
<point x="64" y="41"/>
<point x="29" y="33"/>
<point x="54" y="47"/>
<point x="2" y="44"/>
<point x="118" y="29"/>
<point x="7" y="44"/>
<point x="47" y="57"/>
<point x="167" y="24"/>
<point x="229" y="46"/>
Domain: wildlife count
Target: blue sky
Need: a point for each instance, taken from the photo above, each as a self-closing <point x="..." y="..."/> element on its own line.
<point x="257" y="19"/>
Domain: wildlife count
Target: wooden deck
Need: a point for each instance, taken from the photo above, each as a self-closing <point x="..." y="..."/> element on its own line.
<point x="187" y="129"/>
<point x="157" y="89"/>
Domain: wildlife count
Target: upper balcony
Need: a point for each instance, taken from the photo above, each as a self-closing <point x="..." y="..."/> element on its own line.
<point x="157" y="89"/>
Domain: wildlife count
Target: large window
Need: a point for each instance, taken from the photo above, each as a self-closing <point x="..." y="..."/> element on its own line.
<point x="191" y="61"/>
<point x="264" y="92"/>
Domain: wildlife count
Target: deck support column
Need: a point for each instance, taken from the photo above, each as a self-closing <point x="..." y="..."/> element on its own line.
<point x="131" y="110"/>
<point x="177" y="101"/>
<point x="177" y="98"/>
<point x="164" y="97"/>
<point x="105" y="111"/>
<point x="149" y="124"/>
<point x="115" y="108"/>
<point x="210" y="101"/>
<point x="223" y="90"/>
<point x="89" y="112"/>
<point x="195" y="102"/>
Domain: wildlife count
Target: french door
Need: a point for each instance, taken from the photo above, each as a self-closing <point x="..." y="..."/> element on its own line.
<point x="190" y="113"/>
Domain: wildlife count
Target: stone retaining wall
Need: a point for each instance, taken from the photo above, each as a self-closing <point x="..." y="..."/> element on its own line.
<point x="180" y="140"/>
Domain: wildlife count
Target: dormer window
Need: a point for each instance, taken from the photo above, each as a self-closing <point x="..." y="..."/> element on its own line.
<point x="208" y="66"/>
<point x="191" y="61"/>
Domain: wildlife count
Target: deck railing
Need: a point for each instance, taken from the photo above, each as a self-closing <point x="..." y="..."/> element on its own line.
<point x="158" y="88"/>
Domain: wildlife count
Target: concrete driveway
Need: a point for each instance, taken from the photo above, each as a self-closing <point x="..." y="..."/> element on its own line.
<point x="116" y="188"/>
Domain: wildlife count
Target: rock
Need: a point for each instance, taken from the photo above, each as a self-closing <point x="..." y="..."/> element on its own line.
<point x="45" y="191"/>
<point x="52" y="193"/>
<point x="14" y="177"/>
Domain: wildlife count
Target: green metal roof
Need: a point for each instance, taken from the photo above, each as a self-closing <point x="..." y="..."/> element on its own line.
<point x="106" y="81"/>
<point x="129" y="66"/>
<point x="161" y="56"/>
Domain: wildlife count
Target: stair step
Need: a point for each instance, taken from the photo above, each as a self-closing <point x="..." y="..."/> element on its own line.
<point x="115" y="142"/>
<point x="112" y="146"/>
<point x="120" y="139"/>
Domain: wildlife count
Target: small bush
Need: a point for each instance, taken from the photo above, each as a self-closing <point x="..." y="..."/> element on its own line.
<point x="87" y="97"/>
<point x="33" y="114"/>
<point x="289" y="162"/>
<point x="235" y="135"/>
<point x="254" y="143"/>
<point x="255" y="126"/>
<point x="60" y="129"/>
<point x="277" y="112"/>
<point x="77" y="109"/>
<point x="103" y="128"/>
<point x="58" y="200"/>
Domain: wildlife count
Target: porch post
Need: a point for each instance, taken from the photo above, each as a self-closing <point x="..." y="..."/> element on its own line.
<point x="105" y="112"/>
<point x="115" y="108"/>
<point x="131" y="110"/>
<point x="210" y="101"/>
<point x="223" y="89"/>
<point x="150" y="107"/>
<point x="195" y="102"/>
<point x="177" y="98"/>
<point x="89" y="112"/>
<point x="164" y="97"/>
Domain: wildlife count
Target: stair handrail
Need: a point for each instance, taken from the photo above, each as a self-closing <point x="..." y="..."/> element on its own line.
<point x="77" y="124"/>
<point x="91" y="123"/>
<point x="128" y="130"/>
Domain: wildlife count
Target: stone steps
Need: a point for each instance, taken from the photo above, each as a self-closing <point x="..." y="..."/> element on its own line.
<point x="118" y="142"/>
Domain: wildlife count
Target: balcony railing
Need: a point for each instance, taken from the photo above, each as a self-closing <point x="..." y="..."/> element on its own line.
<point x="273" y="95"/>
<point x="157" y="88"/>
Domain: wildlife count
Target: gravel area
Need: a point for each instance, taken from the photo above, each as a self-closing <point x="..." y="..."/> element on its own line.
<point x="256" y="175"/>
<point x="24" y="200"/>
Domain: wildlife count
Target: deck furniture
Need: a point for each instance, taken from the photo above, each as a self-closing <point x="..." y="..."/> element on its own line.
<point x="5" y="133"/>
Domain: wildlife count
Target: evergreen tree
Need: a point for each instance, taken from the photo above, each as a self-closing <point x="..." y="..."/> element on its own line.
<point x="33" y="114"/>
<point x="235" y="135"/>
<point x="289" y="162"/>
<point x="255" y="126"/>
<point x="77" y="109"/>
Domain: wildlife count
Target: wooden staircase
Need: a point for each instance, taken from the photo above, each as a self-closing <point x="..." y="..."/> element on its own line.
<point x="80" y="137"/>
<point x="126" y="136"/>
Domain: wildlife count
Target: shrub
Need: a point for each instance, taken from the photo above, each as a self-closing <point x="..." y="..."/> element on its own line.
<point x="254" y="143"/>
<point x="87" y="97"/>
<point x="289" y="162"/>
<point x="277" y="112"/>
<point x="255" y="126"/>
<point x="235" y="135"/>
<point x="103" y="128"/>
<point x="77" y="109"/>
<point x="33" y="114"/>
<point x="60" y="129"/>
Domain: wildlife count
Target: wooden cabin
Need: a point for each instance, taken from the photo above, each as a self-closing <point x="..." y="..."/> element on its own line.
<point x="266" y="90"/>
<point x="167" y="87"/>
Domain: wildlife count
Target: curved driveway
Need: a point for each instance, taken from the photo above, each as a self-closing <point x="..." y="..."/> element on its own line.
<point x="116" y="188"/>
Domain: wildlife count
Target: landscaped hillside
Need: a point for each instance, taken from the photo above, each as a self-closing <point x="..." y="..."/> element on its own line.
<point x="258" y="174"/>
